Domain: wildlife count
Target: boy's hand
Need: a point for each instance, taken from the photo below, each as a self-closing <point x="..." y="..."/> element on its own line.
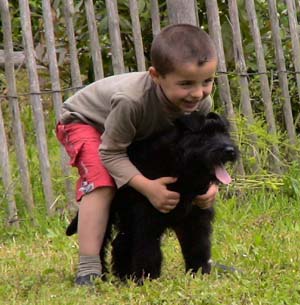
<point x="207" y="200"/>
<point x="157" y="192"/>
<point x="160" y="197"/>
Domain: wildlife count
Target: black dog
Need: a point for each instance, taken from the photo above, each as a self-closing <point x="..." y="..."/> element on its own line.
<point x="194" y="150"/>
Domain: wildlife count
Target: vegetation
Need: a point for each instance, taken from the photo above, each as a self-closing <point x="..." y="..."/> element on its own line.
<point x="256" y="233"/>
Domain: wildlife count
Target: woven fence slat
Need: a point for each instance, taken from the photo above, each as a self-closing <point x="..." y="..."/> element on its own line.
<point x="51" y="52"/>
<point x="223" y="82"/>
<point x="280" y="61"/>
<point x="137" y="35"/>
<point x="19" y="142"/>
<point x="196" y="12"/>
<point x="241" y="69"/>
<point x="215" y="32"/>
<point x="264" y="84"/>
<point x="181" y="12"/>
<point x="94" y="40"/>
<point x="4" y="158"/>
<point x="294" y="31"/>
<point x="6" y="176"/>
<point x="115" y="36"/>
<point x="36" y="104"/>
<point x="240" y="62"/>
<point x="56" y="88"/>
<point x="155" y="19"/>
<point x="74" y="64"/>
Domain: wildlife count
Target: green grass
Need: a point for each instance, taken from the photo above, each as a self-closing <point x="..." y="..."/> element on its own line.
<point x="257" y="233"/>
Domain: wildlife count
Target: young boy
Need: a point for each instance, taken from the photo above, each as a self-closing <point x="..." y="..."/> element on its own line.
<point x="113" y="112"/>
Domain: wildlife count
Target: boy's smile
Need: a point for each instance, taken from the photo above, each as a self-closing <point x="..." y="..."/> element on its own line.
<point x="188" y="85"/>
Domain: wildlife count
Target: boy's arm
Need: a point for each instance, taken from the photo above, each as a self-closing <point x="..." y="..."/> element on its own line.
<point x="119" y="133"/>
<point x="156" y="191"/>
<point x="207" y="200"/>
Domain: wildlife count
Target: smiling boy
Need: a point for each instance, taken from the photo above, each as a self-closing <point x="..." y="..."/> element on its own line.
<point x="113" y="112"/>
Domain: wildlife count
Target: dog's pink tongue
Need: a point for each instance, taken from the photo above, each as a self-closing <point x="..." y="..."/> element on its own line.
<point x="222" y="175"/>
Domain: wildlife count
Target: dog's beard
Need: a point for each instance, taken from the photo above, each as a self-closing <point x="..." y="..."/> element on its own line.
<point x="210" y="162"/>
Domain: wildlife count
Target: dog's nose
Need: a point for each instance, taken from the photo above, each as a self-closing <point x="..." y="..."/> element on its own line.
<point x="230" y="152"/>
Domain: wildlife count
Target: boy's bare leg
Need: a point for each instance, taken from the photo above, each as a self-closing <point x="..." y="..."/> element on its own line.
<point x="92" y="222"/>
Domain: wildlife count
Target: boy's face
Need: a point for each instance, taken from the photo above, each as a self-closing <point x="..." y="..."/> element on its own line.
<point x="188" y="85"/>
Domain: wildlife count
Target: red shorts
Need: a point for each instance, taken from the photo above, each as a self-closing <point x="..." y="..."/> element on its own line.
<point x="81" y="142"/>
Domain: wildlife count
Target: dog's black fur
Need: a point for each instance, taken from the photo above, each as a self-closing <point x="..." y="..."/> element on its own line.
<point x="191" y="150"/>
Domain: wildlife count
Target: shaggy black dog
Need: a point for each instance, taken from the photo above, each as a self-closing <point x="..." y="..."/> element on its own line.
<point x="194" y="150"/>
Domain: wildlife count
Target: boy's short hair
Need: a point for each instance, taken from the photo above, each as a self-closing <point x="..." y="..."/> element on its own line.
<point x="178" y="44"/>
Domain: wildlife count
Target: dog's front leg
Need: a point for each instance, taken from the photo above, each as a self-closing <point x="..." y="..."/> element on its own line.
<point x="121" y="255"/>
<point x="194" y="238"/>
<point x="146" y="253"/>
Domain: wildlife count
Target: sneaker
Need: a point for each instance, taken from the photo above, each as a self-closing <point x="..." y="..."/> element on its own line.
<point x="87" y="280"/>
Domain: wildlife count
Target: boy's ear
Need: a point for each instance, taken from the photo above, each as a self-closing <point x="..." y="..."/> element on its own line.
<point x="154" y="74"/>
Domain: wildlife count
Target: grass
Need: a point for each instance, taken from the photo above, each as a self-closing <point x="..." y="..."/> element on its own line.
<point x="257" y="234"/>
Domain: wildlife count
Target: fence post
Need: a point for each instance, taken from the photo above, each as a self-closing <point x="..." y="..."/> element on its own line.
<point x="57" y="98"/>
<point x="36" y="104"/>
<point x="181" y="11"/>
<point x="115" y="36"/>
<point x="6" y="177"/>
<point x="137" y="35"/>
<point x="241" y="69"/>
<point x="94" y="39"/>
<point x="294" y="31"/>
<point x="14" y="107"/>
<point x="280" y="60"/>
<point x="74" y="64"/>
<point x="155" y="17"/>
<point x="264" y="84"/>
<point x="215" y="31"/>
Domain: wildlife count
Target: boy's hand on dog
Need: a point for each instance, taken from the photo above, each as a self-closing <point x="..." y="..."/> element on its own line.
<point x="207" y="200"/>
<point x="157" y="192"/>
<point x="159" y="195"/>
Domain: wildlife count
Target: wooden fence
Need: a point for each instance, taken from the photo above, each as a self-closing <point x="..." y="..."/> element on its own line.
<point x="233" y="81"/>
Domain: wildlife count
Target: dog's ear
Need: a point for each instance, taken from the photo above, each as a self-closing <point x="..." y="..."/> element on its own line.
<point x="191" y="122"/>
<point x="213" y="117"/>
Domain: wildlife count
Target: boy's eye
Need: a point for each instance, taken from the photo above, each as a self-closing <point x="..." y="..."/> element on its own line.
<point x="190" y="84"/>
<point x="208" y="81"/>
<point x="185" y="84"/>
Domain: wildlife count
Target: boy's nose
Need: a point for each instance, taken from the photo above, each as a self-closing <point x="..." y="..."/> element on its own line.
<point x="197" y="93"/>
